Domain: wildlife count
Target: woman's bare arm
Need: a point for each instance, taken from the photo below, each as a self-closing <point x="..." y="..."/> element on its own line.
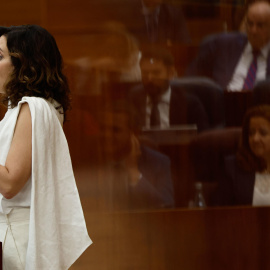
<point x="17" y="170"/>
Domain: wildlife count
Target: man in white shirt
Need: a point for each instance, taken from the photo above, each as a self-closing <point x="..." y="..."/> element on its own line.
<point x="227" y="57"/>
<point x="174" y="105"/>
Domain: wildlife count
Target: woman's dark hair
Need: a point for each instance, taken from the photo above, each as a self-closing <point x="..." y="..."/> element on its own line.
<point x="37" y="66"/>
<point x="246" y="158"/>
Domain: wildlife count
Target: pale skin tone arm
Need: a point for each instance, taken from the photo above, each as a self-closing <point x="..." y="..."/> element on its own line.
<point x="17" y="169"/>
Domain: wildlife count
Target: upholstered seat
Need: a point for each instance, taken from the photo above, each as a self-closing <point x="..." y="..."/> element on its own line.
<point x="207" y="152"/>
<point x="210" y="95"/>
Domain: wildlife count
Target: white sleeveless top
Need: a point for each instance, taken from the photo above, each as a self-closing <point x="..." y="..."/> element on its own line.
<point x="23" y="198"/>
<point x="57" y="229"/>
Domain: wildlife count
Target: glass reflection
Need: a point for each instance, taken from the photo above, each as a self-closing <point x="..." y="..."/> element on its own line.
<point x="246" y="176"/>
<point x="178" y="66"/>
<point x="134" y="176"/>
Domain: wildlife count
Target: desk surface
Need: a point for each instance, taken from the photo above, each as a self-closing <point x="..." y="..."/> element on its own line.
<point x="215" y="238"/>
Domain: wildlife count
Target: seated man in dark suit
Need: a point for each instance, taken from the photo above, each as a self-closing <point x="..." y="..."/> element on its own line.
<point x="160" y="103"/>
<point x="152" y="21"/>
<point x="236" y="60"/>
<point x="130" y="176"/>
<point x="164" y="22"/>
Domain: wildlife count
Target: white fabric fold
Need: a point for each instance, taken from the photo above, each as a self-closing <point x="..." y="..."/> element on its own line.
<point x="57" y="229"/>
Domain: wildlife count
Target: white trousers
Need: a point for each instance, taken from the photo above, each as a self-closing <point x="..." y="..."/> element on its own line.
<point x="14" y="232"/>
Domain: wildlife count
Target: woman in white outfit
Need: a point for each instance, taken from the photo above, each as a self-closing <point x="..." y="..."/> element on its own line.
<point x="41" y="220"/>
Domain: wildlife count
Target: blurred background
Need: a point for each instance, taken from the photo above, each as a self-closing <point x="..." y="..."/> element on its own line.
<point x="161" y="225"/>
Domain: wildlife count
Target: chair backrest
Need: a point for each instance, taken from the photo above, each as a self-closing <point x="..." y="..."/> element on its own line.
<point x="236" y="105"/>
<point x="207" y="152"/>
<point x="208" y="149"/>
<point x="261" y="93"/>
<point x="209" y="93"/>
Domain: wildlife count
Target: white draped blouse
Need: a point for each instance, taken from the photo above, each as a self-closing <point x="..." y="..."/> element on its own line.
<point x="57" y="228"/>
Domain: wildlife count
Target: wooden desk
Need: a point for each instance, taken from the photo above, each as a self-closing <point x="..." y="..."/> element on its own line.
<point x="225" y="238"/>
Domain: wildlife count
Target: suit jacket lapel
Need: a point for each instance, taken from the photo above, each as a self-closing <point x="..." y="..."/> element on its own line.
<point x="178" y="107"/>
<point x="235" y="54"/>
<point x="244" y="187"/>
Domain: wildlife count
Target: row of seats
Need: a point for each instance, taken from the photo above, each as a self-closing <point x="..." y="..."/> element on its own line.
<point x="224" y="108"/>
<point x="207" y="151"/>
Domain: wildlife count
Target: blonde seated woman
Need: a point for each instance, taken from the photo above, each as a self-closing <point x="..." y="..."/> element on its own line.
<point x="41" y="220"/>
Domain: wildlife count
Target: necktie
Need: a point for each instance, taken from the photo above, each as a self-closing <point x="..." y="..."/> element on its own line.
<point x="251" y="74"/>
<point x="155" y="115"/>
<point x="152" y="26"/>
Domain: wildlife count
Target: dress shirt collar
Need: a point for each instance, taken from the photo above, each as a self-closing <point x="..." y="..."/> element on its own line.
<point x="165" y="98"/>
<point x="263" y="52"/>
